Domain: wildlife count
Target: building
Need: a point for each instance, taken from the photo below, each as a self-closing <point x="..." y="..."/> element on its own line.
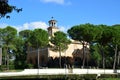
<point x="44" y="54"/>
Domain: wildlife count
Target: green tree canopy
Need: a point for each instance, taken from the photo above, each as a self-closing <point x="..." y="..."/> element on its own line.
<point x="115" y="43"/>
<point x="20" y="53"/>
<point x="25" y="34"/>
<point x="105" y="35"/>
<point x="8" y="36"/>
<point x="80" y="32"/>
<point x="6" y="8"/>
<point x="60" y="42"/>
<point x="39" y="38"/>
<point x="85" y="33"/>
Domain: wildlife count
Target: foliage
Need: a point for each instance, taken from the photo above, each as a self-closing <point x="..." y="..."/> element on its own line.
<point x="103" y="42"/>
<point x="84" y="31"/>
<point x="56" y="77"/>
<point x="109" y="76"/>
<point x="85" y="34"/>
<point x="60" y="43"/>
<point x="25" y="34"/>
<point x="95" y="55"/>
<point x="30" y="66"/>
<point x="20" y="54"/>
<point x="6" y="8"/>
<point x="39" y="38"/>
<point x="106" y="34"/>
<point x="3" y="67"/>
<point x="8" y="37"/>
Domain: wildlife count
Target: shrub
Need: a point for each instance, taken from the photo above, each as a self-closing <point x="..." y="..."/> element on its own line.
<point x="30" y="66"/>
<point x="109" y="76"/>
<point x="3" y="67"/>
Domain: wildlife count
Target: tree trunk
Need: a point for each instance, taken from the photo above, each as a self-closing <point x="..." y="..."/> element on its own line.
<point x="103" y="57"/>
<point x="83" y="64"/>
<point x="118" y="61"/>
<point x="38" y="57"/>
<point x="59" y="57"/>
<point x="7" y="61"/>
<point x="7" y="56"/>
<point x="115" y="58"/>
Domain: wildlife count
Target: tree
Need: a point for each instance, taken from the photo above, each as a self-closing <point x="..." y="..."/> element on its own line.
<point x="6" y="8"/>
<point x="0" y="37"/>
<point x="22" y="43"/>
<point x="8" y="36"/>
<point x="115" y="43"/>
<point x="60" y="43"/>
<point x="95" y="55"/>
<point x="25" y="34"/>
<point x="85" y="33"/>
<point x="39" y="39"/>
<point x="103" y="39"/>
<point x="19" y="53"/>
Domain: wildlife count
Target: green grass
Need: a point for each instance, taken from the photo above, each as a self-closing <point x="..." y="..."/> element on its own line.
<point x="11" y="70"/>
<point x="110" y="79"/>
<point x="54" y="77"/>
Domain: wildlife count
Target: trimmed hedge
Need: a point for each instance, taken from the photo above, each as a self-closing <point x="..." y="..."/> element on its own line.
<point x="110" y="76"/>
<point x="56" y="77"/>
<point x="4" y="67"/>
<point x="68" y="77"/>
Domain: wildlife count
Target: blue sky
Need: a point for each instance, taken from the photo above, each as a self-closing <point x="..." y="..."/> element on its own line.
<point x="37" y="13"/>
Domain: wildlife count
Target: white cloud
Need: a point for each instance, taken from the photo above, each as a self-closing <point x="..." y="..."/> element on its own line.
<point x="57" y="2"/>
<point x="3" y="25"/>
<point x="32" y="26"/>
<point x="64" y="28"/>
<point x="54" y="1"/>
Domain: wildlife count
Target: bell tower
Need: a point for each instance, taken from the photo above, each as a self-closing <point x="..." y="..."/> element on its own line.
<point x="52" y="27"/>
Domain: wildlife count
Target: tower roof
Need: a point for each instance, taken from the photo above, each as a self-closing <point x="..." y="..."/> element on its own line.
<point x="52" y="20"/>
<point x="52" y="23"/>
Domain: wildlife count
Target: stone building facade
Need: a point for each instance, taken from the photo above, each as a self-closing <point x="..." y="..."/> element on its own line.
<point x="46" y="53"/>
